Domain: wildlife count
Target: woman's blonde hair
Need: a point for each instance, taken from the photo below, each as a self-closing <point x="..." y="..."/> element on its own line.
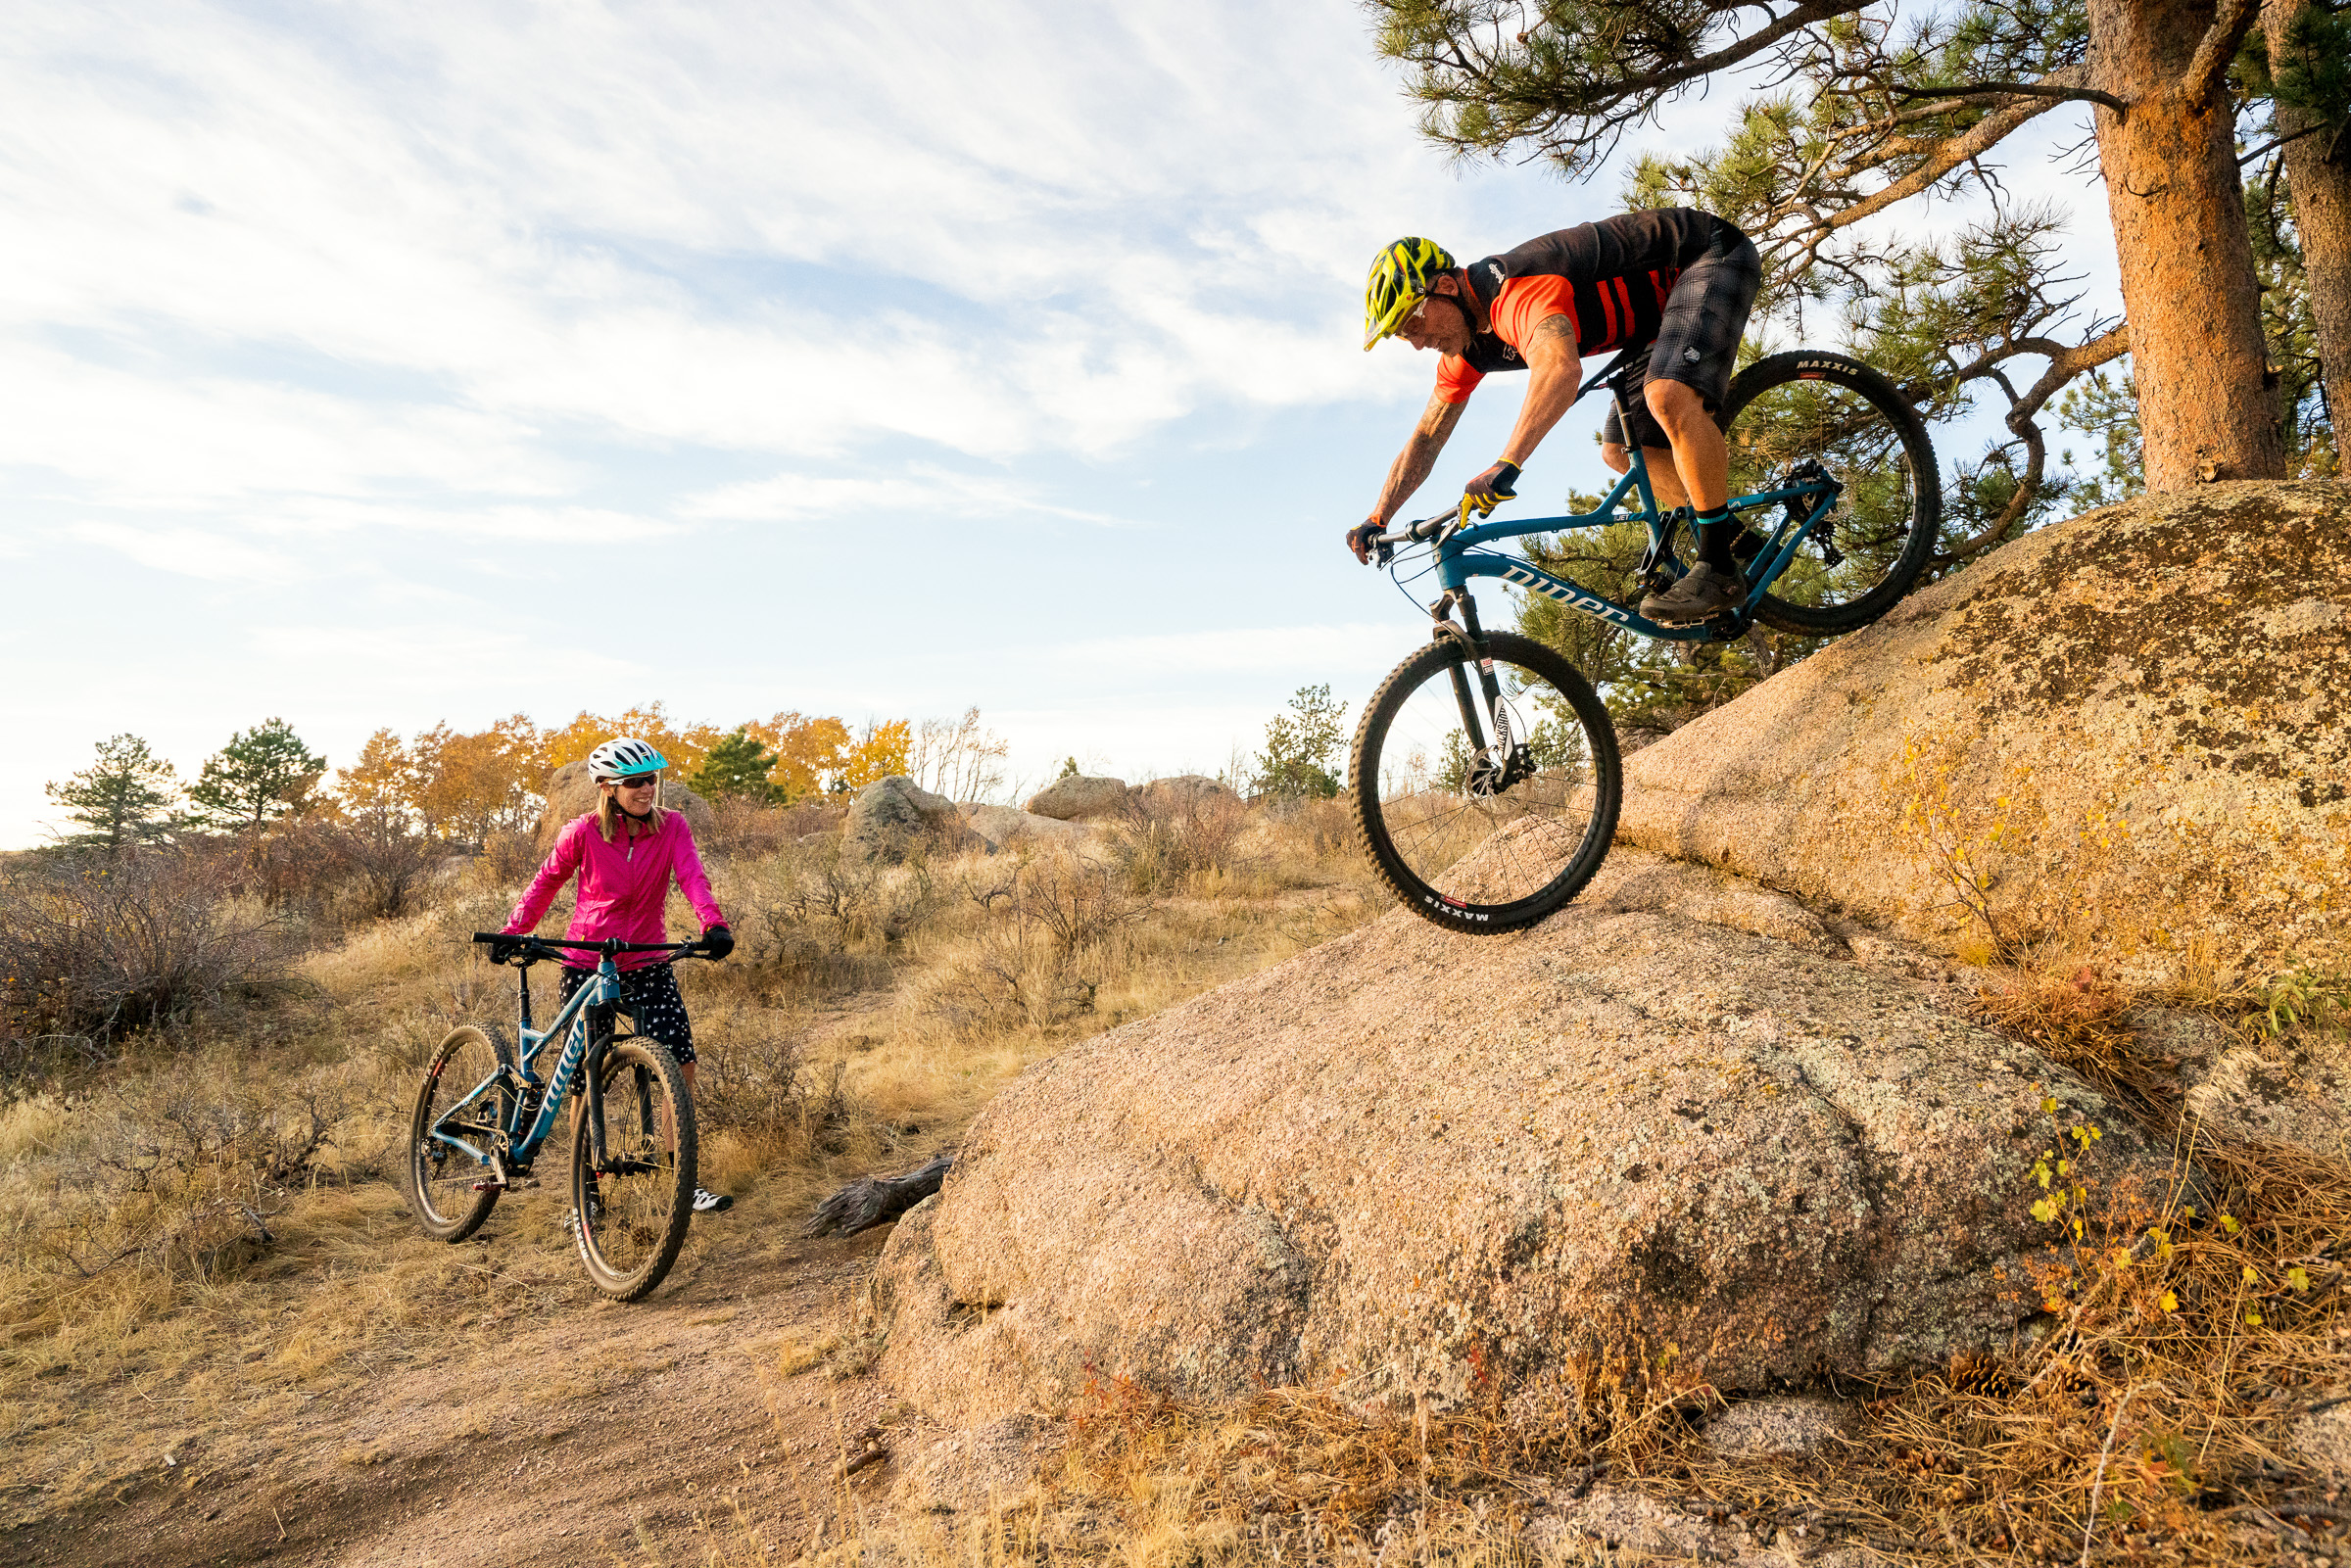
<point x="607" y="811"/>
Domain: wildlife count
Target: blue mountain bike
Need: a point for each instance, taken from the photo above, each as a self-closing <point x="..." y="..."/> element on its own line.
<point x="1484" y="774"/>
<point x="484" y="1111"/>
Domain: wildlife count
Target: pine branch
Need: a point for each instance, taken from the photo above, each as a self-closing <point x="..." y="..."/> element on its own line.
<point x="1978" y="90"/>
<point x="2217" y="48"/>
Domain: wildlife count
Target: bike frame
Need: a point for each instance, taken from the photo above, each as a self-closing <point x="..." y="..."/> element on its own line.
<point x="1461" y="554"/>
<point x="600" y="989"/>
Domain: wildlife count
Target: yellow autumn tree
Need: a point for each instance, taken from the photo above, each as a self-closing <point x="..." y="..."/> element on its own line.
<point x="469" y="787"/>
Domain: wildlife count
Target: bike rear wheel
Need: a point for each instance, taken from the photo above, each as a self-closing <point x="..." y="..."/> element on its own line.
<point x="634" y="1206"/>
<point x="1488" y="837"/>
<point x="1826" y="409"/>
<point x="445" y="1185"/>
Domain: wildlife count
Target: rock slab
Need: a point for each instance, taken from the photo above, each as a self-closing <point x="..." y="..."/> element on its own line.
<point x="1410" y="1162"/>
<point x="2130" y="729"/>
<point x="1079" y="796"/>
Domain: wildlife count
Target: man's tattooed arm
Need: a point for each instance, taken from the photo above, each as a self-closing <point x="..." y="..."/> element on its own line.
<point x="1420" y="456"/>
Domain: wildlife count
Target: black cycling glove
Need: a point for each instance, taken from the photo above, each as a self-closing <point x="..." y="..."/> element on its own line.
<point x="1360" y="538"/>
<point x="1492" y="487"/>
<point x="506" y="950"/>
<point x="718" y="941"/>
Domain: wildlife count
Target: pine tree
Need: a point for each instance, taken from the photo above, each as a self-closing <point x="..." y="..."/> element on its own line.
<point x="262" y="774"/>
<point x="121" y="800"/>
<point x="738" y="766"/>
<point x="1301" y="747"/>
<point x="1870" y="110"/>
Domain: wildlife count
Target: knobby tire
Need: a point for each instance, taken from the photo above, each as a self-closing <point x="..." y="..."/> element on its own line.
<point x="1835" y="409"/>
<point x="633" y="1214"/>
<point x="1481" y="864"/>
<point x="440" y="1186"/>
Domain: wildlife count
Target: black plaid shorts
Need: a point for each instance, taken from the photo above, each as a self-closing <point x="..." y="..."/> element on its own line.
<point x="1698" y="339"/>
<point x="649" y="997"/>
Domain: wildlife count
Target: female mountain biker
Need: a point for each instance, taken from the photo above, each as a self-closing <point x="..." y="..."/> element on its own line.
<point x="625" y="853"/>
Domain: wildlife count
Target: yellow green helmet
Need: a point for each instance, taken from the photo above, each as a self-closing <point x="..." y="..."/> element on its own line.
<point x="1400" y="276"/>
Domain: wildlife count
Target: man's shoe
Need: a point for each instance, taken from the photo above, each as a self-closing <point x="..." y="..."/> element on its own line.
<point x="706" y="1202"/>
<point x="1703" y="593"/>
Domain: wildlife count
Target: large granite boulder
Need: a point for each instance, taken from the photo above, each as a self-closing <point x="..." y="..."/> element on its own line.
<point x="1003" y="827"/>
<point x="891" y="818"/>
<point x="570" y="792"/>
<point x="1408" y="1161"/>
<point x="2128" y="736"/>
<point x="1076" y="796"/>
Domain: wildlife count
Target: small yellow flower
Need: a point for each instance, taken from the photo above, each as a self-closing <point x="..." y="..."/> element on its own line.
<point x="2170" y="1301"/>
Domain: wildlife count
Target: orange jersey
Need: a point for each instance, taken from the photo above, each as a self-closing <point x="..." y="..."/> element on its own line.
<point x="1609" y="279"/>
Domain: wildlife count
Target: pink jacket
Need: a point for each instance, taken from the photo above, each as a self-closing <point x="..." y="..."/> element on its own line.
<point x="622" y="886"/>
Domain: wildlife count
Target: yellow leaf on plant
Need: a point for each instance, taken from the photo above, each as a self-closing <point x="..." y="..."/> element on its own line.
<point x="2252" y="1276"/>
<point x="2170" y="1301"/>
<point x="2253" y="1316"/>
<point x="2298" y="1277"/>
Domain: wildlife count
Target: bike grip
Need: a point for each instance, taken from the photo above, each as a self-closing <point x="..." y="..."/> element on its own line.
<point x="495" y="936"/>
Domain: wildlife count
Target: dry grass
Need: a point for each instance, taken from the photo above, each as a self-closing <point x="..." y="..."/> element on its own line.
<point x="200" y="1233"/>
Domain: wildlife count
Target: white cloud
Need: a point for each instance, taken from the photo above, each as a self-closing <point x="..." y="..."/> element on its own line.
<point x="190" y="552"/>
<point x="920" y="488"/>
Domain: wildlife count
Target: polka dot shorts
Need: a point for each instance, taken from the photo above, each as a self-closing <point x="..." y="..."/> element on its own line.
<point x="650" y="996"/>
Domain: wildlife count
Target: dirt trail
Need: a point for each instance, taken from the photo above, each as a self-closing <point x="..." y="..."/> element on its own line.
<point x="604" y="1434"/>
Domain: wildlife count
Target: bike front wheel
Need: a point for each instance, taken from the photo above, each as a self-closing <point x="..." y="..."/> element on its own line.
<point x="1792" y="410"/>
<point x="1488" y="828"/>
<point x="465" y="1096"/>
<point x="632" y="1202"/>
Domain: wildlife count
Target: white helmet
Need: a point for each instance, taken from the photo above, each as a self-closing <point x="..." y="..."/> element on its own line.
<point x="623" y="758"/>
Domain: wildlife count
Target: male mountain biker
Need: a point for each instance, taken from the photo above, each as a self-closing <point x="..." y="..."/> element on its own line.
<point x="1684" y="277"/>
<point x="624" y="853"/>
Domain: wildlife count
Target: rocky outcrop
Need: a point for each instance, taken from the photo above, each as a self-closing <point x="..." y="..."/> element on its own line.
<point x="1411" y="1161"/>
<point x="1004" y="827"/>
<point x="1079" y="796"/>
<point x="1186" y="791"/>
<point x="2128" y="735"/>
<point x="570" y="792"/>
<point x="892" y="817"/>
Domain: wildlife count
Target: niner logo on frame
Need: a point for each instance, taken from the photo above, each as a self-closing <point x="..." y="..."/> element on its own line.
<point x="1550" y="587"/>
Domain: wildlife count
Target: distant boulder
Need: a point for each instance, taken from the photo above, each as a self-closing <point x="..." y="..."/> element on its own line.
<point x="570" y="792"/>
<point x="1004" y="827"/>
<point x="893" y="817"/>
<point x="1187" y="790"/>
<point x="1080" y="796"/>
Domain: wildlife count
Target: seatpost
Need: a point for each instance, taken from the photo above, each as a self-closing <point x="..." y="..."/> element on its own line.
<point x="523" y="973"/>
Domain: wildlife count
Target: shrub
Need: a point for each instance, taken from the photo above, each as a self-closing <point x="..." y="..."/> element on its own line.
<point x="1166" y="835"/>
<point x="102" y="948"/>
<point x="181" y="1171"/>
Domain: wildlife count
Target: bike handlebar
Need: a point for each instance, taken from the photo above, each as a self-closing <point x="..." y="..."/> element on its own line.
<point x="1427" y="528"/>
<point x="608" y="946"/>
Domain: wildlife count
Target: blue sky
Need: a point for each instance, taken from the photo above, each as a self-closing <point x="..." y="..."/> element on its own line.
<point x="379" y="365"/>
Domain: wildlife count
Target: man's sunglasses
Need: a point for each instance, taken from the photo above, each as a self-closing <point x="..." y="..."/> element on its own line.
<point x="638" y="782"/>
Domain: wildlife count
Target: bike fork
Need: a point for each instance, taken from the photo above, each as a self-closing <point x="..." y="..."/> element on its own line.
<point x="1473" y="638"/>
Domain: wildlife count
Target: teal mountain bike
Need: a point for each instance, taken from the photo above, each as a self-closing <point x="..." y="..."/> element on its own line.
<point x="1484" y="774"/>
<point x="484" y="1110"/>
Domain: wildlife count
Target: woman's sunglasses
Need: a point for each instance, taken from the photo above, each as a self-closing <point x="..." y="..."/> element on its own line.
<point x="642" y="781"/>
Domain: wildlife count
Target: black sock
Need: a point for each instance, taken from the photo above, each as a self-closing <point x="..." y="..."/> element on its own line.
<point x="1715" y="531"/>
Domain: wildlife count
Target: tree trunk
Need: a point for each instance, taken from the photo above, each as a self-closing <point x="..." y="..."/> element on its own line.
<point x="2321" y="193"/>
<point x="2178" y="206"/>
